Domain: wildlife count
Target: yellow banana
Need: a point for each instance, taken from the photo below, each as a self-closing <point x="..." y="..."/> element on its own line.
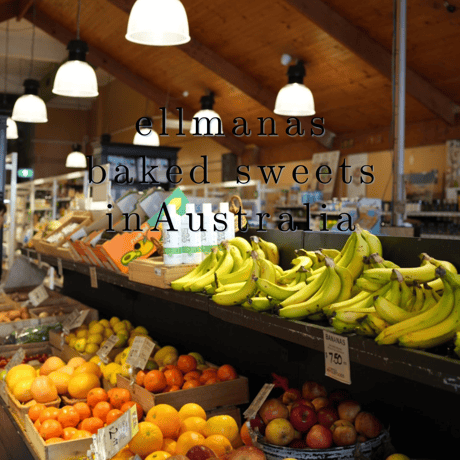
<point x="256" y="247"/>
<point x="238" y="276"/>
<point x="267" y="270"/>
<point x="229" y="287"/>
<point x="179" y="284"/>
<point x="278" y="293"/>
<point x="361" y="250"/>
<point x="305" y="292"/>
<point x="346" y="253"/>
<point x="342" y="327"/>
<point x="270" y="250"/>
<point x="346" y="282"/>
<point x="419" y="274"/>
<point x="376" y="323"/>
<point x="259" y="303"/>
<point x="243" y="245"/>
<point x="390" y="312"/>
<point x="237" y="258"/>
<point x="375" y="246"/>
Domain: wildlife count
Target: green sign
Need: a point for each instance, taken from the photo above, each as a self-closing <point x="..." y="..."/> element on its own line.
<point x="26" y="173"/>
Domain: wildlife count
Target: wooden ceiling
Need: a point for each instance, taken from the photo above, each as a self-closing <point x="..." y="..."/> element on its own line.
<point x="236" y="48"/>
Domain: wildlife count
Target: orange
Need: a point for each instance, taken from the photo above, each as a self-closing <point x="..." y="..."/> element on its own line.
<point x="53" y="363"/>
<point x="80" y="384"/>
<point x="192" y="410"/>
<point x="155" y="381"/>
<point x="49" y="413"/>
<point x="22" y="390"/>
<point x="149" y="439"/>
<point x="54" y="440"/>
<point x="224" y="425"/>
<point x="219" y="444"/>
<point x="76" y="362"/>
<point x="192" y="375"/>
<point x="169" y="366"/>
<point x="34" y="411"/>
<point x="68" y="416"/>
<point x="207" y="374"/>
<point x="83" y="410"/>
<point x="50" y="429"/>
<point x="90" y="367"/>
<point x="68" y="432"/>
<point x="140" y="378"/>
<point x="61" y="380"/>
<point x="174" y="377"/>
<point x="158" y="455"/>
<point x="44" y="390"/>
<point x="191" y="384"/>
<point x="186" y="363"/>
<point x="81" y="434"/>
<point x="169" y="445"/>
<point x="196" y="424"/>
<point x="171" y="389"/>
<point x="118" y="397"/>
<point x="166" y="418"/>
<point x="95" y="396"/>
<point x="92" y="424"/>
<point x="187" y="440"/>
<point x="124" y="454"/>
<point x="237" y="442"/>
<point x="212" y="381"/>
<point x="113" y="415"/>
<point x="101" y="409"/>
<point x="140" y="411"/>
<point x="226" y="372"/>
<point x="244" y="435"/>
<point x="37" y="424"/>
<point x="67" y="370"/>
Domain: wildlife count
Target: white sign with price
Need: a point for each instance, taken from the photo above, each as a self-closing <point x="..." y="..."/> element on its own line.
<point x="108" y="441"/>
<point x="74" y="320"/>
<point x="38" y="295"/>
<point x="337" y="357"/>
<point x="140" y="352"/>
<point x="104" y="351"/>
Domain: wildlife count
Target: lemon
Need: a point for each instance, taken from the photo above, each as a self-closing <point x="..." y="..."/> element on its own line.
<point x="72" y="342"/>
<point x="120" y="327"/>
<point x="107" y="332"/>
<point x="114" y="320"/>
<point x="91" y="348"/>
<point x="96" y="329"/>
<point x="96" y="360"/>
<point x="80" y="345"/>
<point x="69" y="337"/>
<point x="118" y="358"/>
<point x="95" y="338"/>
<point x="141" y="330"/>
<point x="110" y="369"/>
<point x="122" y="339"/>
<point x="104" y="322"/>
<point x="91" y="324"/>
<point x="82" y="334"/>
<point x="125" y="370"/>
<point x="128" y="325"/>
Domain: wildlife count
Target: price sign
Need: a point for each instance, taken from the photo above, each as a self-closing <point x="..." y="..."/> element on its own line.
<point x="38" y="295"/>
<point x="104" y="351"/>
<point x="337" y="357"/>
<point x="93" y="277"/>
<point x="74" y="320"/>
<point x="59" y="267"/>
<point x="140" y="352"/>
<point x="16" y="359"/>
<point x="256" y="404"/>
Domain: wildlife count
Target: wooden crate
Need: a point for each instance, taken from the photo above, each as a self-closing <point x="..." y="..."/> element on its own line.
<point x="52" y="312"/>
<point x="155" y="273"/>
<point x="66" y="450"/>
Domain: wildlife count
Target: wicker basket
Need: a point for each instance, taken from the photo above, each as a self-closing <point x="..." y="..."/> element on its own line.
<point x="235" y="206"/>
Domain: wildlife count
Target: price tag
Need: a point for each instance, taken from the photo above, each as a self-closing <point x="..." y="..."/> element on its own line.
<point x="140" y="352"/>
<point x="16" y="359"/>
<point x="256" y="404"/>
<point x="74" y="320"/>
<point x="104" y="351"/>
<point x="59" y="267"/>
<point x="38" y="295"/>
<point x="93" y="276"/>
<point x="337" y="357"/>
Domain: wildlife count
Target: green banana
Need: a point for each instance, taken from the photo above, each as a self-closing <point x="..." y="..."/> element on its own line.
<point x="373" y="241"/>
<point x="243" y="245"/>
<point x="270" y="250"/>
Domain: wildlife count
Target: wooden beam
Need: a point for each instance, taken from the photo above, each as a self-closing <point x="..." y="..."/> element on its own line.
<point x="101" y="59"/>
<point x="22" y="8"/>
<point x="358" y="42"/>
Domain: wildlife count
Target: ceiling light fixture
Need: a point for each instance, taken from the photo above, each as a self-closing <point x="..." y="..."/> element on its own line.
<point x="76" y="159"/>
<point x="152" y="139"/>
<point x="30" y="108"/>
<point x="158" y="23"/>
<point x="295" y="99"/>
<point x="207" y="117"/>
<point x="76" y="78"/>
<point x="11" y="129"/>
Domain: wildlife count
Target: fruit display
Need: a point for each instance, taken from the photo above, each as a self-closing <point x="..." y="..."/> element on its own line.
<point x="39" y="358"/>
<point x="15" y="314"/>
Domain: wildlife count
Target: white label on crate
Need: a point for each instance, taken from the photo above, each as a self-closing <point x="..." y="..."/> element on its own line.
<point x="38" y="295"/>
<point x="74" y="320"/>
<point x="104" y="351"/>
<point x="140" y="352"/>
<point x="157" y="271"/>
<point x="16" y="359"/>
<point x="337" y="357"/>
<point x="256" y="404"/>
<point x="59" y="267"/>
<point x="93" y="277"/>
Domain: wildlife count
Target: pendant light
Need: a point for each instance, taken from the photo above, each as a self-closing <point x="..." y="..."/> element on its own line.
<point x="295" y="99"/>
<point x="30" y="108"/>
<point x="152" y="139"/>
<point x="206" y="112"/>
<point x="158" y="23"/>
<point x="76" y="78"/>
<point x="76" y="159"/>
<point x="11" y="126"/>
<point x="11" y="129"/>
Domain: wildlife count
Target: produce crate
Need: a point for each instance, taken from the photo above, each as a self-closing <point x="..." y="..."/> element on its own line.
<point x="155" y="273"/>
<point x="52" y="312"/>
<point x="68" y="450"/>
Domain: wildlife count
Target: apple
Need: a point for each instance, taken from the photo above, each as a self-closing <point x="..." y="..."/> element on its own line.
<point x="297" y="435"/>
<point x="298" y="444"/>
<point x="327" y="416"/>
<point x="312" y="390"/>
<point x="279" y="432"/>
<point x="337" y="396"/>
<point x="273" y="409"/>
<point x="178" y="457"/>
<point x="257" y="424"/>
<point x="320" y="402"/>
<point x="397" y="457"/>
<point x="343" y="433"/>
<point x="361" y="438"/>
<point x="368" y="425"/>
<point x="302" y="402"/>
<point x="246" y="453"/>
<point x="291" y="395"/>
<point x="200" y="453"/>
<point x="319" y="437"/>
<point x="348" y="410"/>
<point x="303" y="418"/>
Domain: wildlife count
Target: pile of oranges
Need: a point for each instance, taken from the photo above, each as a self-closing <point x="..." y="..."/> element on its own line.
<point x="183" y="375"/>
<point x="82" y="420"/>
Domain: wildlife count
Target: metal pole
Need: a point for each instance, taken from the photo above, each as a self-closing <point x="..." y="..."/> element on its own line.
<point x="399" y="77"/>
<point x="3" y="151"/>
<point x="12" y="207"/>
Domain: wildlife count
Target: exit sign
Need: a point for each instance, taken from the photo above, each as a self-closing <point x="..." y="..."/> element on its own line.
<point x="26" y="173"/>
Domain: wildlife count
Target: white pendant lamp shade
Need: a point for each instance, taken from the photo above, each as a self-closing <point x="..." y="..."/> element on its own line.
<point x="30" y="108"/>
<point x="76" y="78"/>
<point x="76" y="159"/>
<point x="158" y="23"/>
<point x="152" y="139"/>
<point x="200" y="119"/>
<point x="11" y="129"/>
<point x="295" y="99"/>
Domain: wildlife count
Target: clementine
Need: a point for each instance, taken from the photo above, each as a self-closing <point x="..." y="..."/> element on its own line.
<point x="219" y="444"/>
<point x="207" y="374"/>
<point x="212" y="381"/>
<point x="192" y="375"/>
<point x="191" y="384"/>
<point x="171" y="389"/>
<point x="187" y="440"/>
<point x="83" y="410"/>
<point x="244" y="435"/>
<point x="140" y="378"/>
<point x="196" y="424"/>
<point x="226" y="372"/>
<point x="68" y="417"/>
<point x="101" y="409"/>
<point x="54" y="440"/>
<point x="35" y="410"/>
<point x="92" y="424"/>
<point x="50" y="429"/>
<point x="174" y="377"/>
<point x="192" y="410"/>
<point x="186" y="363"/>
<point x="155" y="381"/>
<point x="49" y="413"/>
<point x="149" y="439"/>
<point x="95" y="396"/>
<point x="113" y="415"/>
<point x="166" y="418"/>
<point x="140" y="411"/>
<point x="37" y="425"/>
<point x="118" y="397"/>
<point x="68" y="432"/>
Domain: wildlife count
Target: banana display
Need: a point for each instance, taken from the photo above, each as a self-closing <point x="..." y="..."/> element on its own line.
<point x="355" y="289"/>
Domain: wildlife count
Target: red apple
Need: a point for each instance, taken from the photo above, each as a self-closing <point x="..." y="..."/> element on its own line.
<point x="319" y="437"/>
<point x="302" y="402"/>
<point x="368" y="425"/>
<point x="298" y="444"/>
<point x="200" y="453"/>
<point x="303" y="418"/>
<point x="348" y="410"/>
<point x="337" y="396"/>
<point x="291" y="395"/>
<point x="343" y="433"/>
<point x="258" y="424"/>
<point x="279" y="432"/>
<point x="273" y="409"/>
<point x="327" y="416"/>
<point x="320" y="402"/>
<point x="312" y="390"/>
<point x="246" y="453"/>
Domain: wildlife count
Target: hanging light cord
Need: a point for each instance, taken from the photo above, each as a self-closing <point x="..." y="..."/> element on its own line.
<point x="78" y="19"/>
<point x="6" y="60"/>
<point x="33" y="41"/>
